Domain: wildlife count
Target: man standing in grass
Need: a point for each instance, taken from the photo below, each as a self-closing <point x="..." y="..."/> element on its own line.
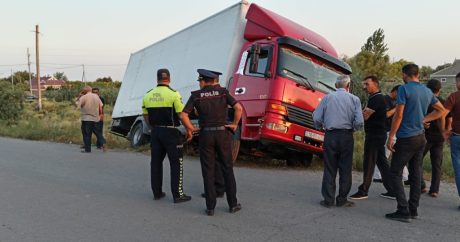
<point x="435" y="142"/>
<point x="453" y="132"/>
<point x="91" y="106"/>
<point x="412" y="103"/>
<point x="99" y="126"/>
<point x="374" y="143"/>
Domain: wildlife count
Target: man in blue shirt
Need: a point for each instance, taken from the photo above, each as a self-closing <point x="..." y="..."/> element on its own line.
<point x="339" y="114"/>
<point x="412" y="104"/>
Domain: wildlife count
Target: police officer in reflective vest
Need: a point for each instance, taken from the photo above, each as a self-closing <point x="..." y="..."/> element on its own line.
<point x="161" y="107"/>
<point x="211" y="103"/>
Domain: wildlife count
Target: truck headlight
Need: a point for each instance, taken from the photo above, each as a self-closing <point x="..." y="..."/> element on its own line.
<point x="277" y="127"/>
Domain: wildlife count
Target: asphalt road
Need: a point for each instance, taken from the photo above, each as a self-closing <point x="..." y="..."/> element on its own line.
<point x="52" y="192"/>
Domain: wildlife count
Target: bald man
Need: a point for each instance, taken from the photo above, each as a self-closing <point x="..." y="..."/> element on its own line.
<point x="91" y="107"/>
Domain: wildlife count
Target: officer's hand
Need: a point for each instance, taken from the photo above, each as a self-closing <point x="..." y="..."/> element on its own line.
<point x="233" y="127"/>
<point x="189" y="135"/>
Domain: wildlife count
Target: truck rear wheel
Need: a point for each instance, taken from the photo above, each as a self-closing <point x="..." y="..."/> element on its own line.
<point x="137" y="136"/>
<point x="297" y="158"/>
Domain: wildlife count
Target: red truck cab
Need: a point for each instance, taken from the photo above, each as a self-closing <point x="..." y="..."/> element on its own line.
<point x="284" y="71"/>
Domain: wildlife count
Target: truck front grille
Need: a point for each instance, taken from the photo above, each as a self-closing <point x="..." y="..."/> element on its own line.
<point x="299" y="116"/>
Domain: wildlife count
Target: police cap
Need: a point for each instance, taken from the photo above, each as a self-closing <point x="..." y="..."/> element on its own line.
<point x="163" y="74"/>
<point x="207" y="74"/>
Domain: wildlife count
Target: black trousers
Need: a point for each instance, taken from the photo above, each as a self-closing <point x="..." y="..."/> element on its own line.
<point x="99" y="132"/>
<point x="408" y="151"/>
<point x="87" y="129"/>
<point x="435" y="149"/>
<point x="219" y="181"/>
<point x="166" y="141"/>
<point x="338" y="155"/>
<point x="218" y="143"/>
<point x="374" y="154"/>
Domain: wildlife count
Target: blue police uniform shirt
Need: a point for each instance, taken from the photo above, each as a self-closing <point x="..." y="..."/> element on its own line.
<point x="416" y="99"/>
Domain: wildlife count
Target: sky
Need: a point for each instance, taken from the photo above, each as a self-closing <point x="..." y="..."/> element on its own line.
<point x="101" y="34"/>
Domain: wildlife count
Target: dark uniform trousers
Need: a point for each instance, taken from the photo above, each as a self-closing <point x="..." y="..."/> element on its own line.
<point x="166" y="141"/>
<point x="218" y="143"/>
<point x="374" y="154"/>
<point x="338" y="155"/>
<point x="408" y="151"/>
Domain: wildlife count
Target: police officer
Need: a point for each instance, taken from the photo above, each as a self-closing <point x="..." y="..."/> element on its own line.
<point x="219" y="182"/>
<point x="211" y="103"/>
<point x="161" y="106"/>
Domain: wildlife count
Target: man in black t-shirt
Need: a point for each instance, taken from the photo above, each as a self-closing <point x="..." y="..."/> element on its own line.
<point x="435" y="142"/>
<point x="374" y="145"/>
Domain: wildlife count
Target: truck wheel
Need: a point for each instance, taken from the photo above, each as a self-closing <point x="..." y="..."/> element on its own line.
<point x="236" y="143"/>
<point x="298" y="158"/>
<point x="137" y="136"/>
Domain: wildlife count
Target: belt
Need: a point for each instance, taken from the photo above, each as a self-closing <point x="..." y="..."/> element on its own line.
<point x="163" y="126"/>
<point x="455" y="134"/>
<point x="213" y="128"/>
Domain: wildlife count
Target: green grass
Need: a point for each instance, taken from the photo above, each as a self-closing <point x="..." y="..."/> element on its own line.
<point x="57" y="122"/>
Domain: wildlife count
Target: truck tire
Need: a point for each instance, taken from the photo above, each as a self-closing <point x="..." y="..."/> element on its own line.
<point x="297" y="158"/>
<point x="137" y="137"/>
<point x="236" y="143"/>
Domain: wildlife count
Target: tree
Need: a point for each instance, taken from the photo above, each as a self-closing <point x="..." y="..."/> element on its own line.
<point x="371" y="60"/>
<point x="60" y="76"/>
<point x="104" y="79"/>
<point x="425" y="72"/>
<point x="395" y="70"/>
<point x="376" y="45"/>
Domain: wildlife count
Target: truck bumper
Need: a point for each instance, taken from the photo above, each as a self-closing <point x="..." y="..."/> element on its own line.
<point x="293" y="135"/>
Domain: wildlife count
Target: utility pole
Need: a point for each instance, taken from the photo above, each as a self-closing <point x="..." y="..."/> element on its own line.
<point x="83" y="77"/>
<point x="12" y="80"/>
<point x="30" y="74"/>
<point x="37" y="60"/>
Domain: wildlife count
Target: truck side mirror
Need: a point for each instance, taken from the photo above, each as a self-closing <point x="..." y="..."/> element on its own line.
<point x="254" y="62"/>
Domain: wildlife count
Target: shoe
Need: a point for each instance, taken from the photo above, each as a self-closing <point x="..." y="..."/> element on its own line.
<point x="209" y="212"/>
<point x="183" y="198"/>
<point x="398" y="216"/>
<point x="377" y="180"/>
<point x="406" y="183"/>
<point x="359" y="196"/>
<point x="388" y="195"/>
<point x="325" y="204"/>
<point x="235" y="208"/>
<point x="433" y="194"/>
<point x="346" y="204"/>
<point x="413" y="213"/>
<point x="84" y="151"/>
<point x="162" y="195"/>
<point x="219" y="195"/>
<point x="424" y="190"/>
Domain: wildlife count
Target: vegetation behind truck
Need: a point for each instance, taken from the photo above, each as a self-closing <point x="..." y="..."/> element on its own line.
<point x="278" y="70"/>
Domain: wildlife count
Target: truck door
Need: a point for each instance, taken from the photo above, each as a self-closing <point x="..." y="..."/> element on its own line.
<point x="251" y="88"/>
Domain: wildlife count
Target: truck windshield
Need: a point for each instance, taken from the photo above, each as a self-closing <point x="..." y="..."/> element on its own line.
<point x="321" y="77"/>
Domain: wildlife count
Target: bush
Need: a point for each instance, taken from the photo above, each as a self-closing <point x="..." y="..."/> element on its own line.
<point x="11" y="103"/>
<point x="69" y="92"/>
